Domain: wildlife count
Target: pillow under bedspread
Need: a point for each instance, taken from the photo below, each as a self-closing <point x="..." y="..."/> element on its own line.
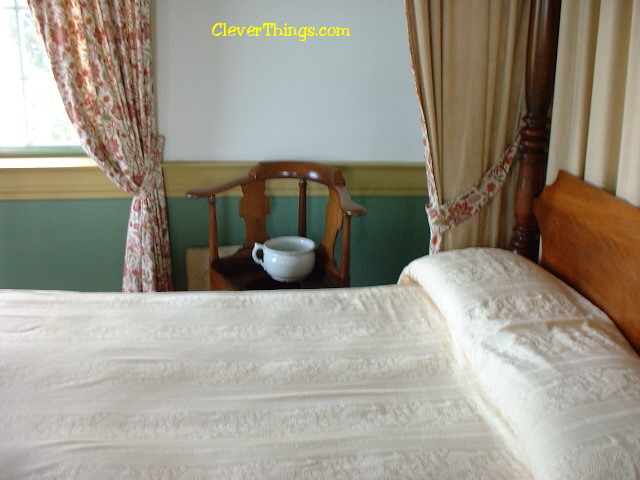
<point x="553" y="365"/>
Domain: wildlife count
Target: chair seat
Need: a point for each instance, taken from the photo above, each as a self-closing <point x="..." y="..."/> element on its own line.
<point x="197" y="265"/>
<point x="242" y="273"/>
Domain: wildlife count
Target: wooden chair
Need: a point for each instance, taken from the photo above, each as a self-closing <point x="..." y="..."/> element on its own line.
<point x="239" y="271"/>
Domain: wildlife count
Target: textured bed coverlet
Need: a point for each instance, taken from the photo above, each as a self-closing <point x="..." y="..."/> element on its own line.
<point x="478" y="365"/>
<point x="358" y="383"/>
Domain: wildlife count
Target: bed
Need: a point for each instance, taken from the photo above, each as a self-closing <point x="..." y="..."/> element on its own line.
<point x="479" y="363"/>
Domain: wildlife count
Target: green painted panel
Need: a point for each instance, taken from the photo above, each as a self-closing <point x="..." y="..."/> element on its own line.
<point x="63" y="244"/>
<point x="394" y="232"/>
<point x="79" y="244"/>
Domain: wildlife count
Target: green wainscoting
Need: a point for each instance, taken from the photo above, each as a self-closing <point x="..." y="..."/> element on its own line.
<point x="79" y="244"/>
<point x="63" y="244"/>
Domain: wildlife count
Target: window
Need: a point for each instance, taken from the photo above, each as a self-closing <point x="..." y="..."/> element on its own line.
<point x="33" y="121"/>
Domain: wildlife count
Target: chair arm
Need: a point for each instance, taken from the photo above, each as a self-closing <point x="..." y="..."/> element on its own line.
<point x="211" y="191"/>
<point x="346" y="204"/>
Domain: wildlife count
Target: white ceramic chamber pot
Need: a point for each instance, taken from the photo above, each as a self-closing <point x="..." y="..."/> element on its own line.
<point x="286" y="259"/>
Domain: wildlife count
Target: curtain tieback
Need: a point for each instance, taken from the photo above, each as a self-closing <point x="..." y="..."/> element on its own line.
<point x="152" y="182"/>
<point x="445" y="216"/>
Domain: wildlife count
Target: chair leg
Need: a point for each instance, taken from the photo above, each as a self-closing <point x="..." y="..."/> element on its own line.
<point x="302" y="208"/>
<point x="213" y="237"/>
<point x="213" y="230"/>
<point x="345" y="252"/>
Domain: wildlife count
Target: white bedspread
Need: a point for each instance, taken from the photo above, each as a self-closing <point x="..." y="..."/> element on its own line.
<point x="523" y="379"/>
<point x="331" y="384"/>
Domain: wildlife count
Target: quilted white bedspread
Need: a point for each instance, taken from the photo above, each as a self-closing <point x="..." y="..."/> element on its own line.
<point x="359" y="383"/>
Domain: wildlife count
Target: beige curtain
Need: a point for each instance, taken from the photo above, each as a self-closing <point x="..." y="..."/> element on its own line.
<point x="595" y="131"/>
<point x="468" y="58"/>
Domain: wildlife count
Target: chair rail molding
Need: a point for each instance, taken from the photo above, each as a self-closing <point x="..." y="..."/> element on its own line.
<point x="37" y="179"/>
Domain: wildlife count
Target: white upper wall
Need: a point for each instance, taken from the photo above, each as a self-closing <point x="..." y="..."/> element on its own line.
<point x="277" y="97"/>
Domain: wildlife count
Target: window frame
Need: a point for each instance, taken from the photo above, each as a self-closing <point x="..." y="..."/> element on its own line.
<point x="42" y="152"/>
<point x="21" y="10"/>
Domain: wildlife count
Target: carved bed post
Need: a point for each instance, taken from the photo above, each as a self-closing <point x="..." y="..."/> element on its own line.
<point x="542" y="47"/>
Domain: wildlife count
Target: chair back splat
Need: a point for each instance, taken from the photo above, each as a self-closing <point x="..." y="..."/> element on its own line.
<point x="239" y="271"/>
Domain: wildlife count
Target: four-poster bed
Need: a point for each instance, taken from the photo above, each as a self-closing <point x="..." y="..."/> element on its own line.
<point x="542" y="49"/>
<point x="478" y="364"/>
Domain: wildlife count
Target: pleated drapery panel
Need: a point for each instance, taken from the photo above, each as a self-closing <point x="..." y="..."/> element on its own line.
<point x="100" y="52"/>
<point x="596" y="109"/>
<point x="468" y="62"/>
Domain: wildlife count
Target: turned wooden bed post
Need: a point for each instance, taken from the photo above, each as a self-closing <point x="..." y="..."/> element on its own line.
<point x="542" y="47"/>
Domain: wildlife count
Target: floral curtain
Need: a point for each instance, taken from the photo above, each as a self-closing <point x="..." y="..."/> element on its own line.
<point x="100" y="52"/>
<point x="468" y="64"/>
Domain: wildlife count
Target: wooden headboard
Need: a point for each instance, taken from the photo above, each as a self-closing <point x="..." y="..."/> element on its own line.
<point x="591" y="240"/>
